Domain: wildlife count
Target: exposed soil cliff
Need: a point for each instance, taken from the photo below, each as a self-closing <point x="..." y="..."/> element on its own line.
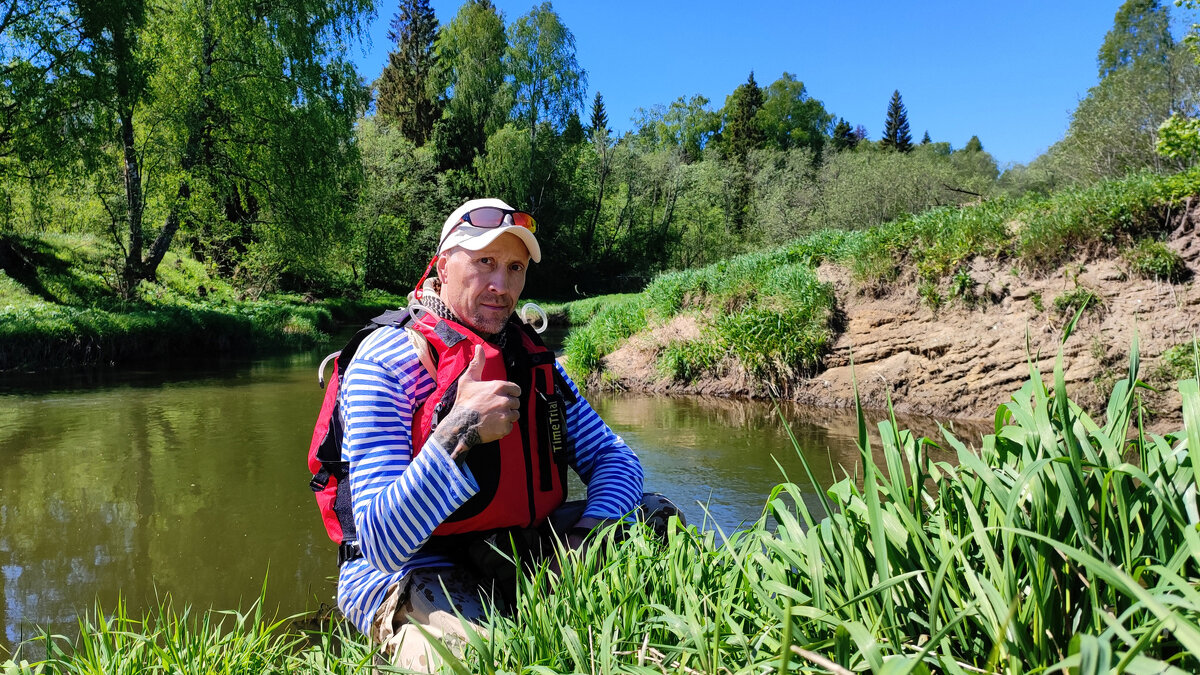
<point x="968" y="357"/>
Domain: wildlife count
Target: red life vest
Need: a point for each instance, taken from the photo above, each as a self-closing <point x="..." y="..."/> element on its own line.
<point x="521" y="477"/>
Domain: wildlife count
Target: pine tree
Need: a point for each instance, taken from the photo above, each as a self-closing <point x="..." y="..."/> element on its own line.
<point x="926" y="140"/>
<point x="974" y="145"/>
<point x="599" y="122"/>
<point x="843" y="136"/>
<point x="406" y="89"/>
<point x="895" y="127"/>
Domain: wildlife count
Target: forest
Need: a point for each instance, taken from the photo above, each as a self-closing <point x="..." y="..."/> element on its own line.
<point x="236" y="133"/>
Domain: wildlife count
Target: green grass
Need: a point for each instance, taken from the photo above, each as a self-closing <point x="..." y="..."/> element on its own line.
<point x="58" y="309"/>
<point x="166" y="640"/>
<point x="1177" y="363"/>
<point x="1058" y="543"/>
<point x="767" y="310"/>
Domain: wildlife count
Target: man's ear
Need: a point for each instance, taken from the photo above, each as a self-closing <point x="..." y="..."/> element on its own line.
<point x="442" y="262"/>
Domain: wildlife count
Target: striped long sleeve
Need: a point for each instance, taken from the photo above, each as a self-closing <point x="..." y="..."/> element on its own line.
<point x="399" y="498"/>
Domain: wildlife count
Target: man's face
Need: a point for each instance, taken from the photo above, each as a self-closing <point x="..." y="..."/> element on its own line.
<point x="482" y="287"/>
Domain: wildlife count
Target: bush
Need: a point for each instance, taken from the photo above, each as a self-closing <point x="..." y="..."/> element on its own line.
<point x="1177" y="363"/>
<point x="1073" y="301"/>
<point x="1151" y="259"/>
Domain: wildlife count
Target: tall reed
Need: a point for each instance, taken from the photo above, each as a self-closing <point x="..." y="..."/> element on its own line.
<point x="1061" y="543"/>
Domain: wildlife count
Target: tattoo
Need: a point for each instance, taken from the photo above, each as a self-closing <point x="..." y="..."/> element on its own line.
<point x="459" y="432"/>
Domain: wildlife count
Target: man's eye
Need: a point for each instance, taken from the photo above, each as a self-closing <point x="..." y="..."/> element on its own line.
<point x="517" y="267"/>
<point x="485" y="261"/>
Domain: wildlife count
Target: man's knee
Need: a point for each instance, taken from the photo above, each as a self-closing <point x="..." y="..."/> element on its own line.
<point x="656" y="510"/>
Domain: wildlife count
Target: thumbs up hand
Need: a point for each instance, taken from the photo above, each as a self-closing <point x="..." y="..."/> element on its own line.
<point x="484" y="410"/>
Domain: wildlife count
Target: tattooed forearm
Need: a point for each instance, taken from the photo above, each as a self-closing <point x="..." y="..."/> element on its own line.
<point x="459" y="432"/>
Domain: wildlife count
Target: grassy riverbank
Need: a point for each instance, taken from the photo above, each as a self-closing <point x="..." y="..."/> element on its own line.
<point x="1060" y="542"/>
<point x="768" y="314"/>
<point x="58" y="309"/>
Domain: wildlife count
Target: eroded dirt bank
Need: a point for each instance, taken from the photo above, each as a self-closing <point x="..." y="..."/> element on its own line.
<point x="963" y="361"/>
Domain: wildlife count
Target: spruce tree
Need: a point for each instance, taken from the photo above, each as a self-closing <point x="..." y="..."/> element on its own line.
<point x="743" y="132"/>
<point x="599" y="122"/>
<point x="895" y="127"/>
<point x="843" y="136"/>
<point x="926" y="140"/>
<point x="406" y="88"/>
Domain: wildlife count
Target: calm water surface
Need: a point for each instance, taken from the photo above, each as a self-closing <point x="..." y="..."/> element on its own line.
<point x="190" y="480"/>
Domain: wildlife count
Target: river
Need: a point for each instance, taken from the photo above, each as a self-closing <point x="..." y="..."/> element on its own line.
<point x="189" y="480"/>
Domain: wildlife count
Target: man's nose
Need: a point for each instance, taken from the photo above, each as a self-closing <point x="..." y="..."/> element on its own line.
<point x="498" y="283"/>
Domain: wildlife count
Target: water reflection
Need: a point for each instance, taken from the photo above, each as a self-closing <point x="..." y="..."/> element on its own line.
<point x="192" y="482"/>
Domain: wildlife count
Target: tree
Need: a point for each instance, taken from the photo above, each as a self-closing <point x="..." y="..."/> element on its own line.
<point x="1141" y="30"/>
<point x="790" y="118"/>
<point x="120" y="75"/>
<point x="926" y="140"/>
<point x="41" y="83"/>
<point x="843" y="136"/>
<point x="973" y="145"/>
<point x="1114" y="129"/>
<point x="253" y="107"/>
<point x="599" y="121"/>
<point x="407" y="90"/>
<point x="741" y="129"/>
<point x="895" y="127"/>
<point x="470" y="52"/>
<point x="548" y="82"/>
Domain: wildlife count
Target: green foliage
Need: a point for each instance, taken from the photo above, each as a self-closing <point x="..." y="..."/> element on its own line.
<point x="1177" y="362"/>
<point x="598" y="123"/>
<point x="470" y="50"/>
<point x="1179" y="138"/>
<point x="843" y="136"/>
<point x="1141" y="31"/>
<point x="790" y="118"/>
<point x="1113" y="130"/>
<point x="1073" y="301"/>
<point x="1152" y="259"/>
<point x="931" y="294"/>
<point x="547" y="81"/>
<point x="769" y="312"/>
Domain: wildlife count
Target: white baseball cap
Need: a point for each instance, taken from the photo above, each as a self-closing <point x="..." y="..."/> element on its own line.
<point x="475" y="238"/>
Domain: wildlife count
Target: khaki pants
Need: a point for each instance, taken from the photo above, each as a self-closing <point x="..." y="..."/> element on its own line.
<point x="429" y="598"/>
<point x="434" y="598"/>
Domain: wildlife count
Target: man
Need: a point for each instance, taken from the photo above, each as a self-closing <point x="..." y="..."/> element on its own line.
<point x="459" y="425"/>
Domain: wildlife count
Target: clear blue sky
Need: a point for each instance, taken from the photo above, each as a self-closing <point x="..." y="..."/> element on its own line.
<point x="1010" y="72"/>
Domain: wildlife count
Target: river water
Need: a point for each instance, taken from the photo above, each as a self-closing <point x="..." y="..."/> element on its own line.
<point x="190" y="480"/>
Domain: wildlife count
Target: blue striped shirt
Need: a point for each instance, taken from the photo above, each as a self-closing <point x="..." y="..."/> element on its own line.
<point x="399" y="499"/>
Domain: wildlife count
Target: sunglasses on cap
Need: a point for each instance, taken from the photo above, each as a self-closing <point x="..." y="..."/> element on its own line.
<point x="492" y="216"/>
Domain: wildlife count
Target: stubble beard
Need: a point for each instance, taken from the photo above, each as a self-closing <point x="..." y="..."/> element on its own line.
<point x="487" y="326"/>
